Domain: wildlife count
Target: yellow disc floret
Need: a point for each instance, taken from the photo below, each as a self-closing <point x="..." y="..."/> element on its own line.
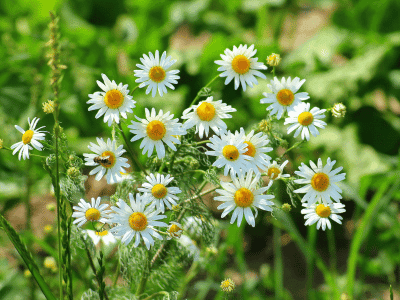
<point x="273" y="172"/>
<point x="138" y="221"/>
<point x="156" y="130"/>
<point x="251" y="150"/>
<point x="159" y="191"/>
<point x="114" y="99"/>
<point x="243" y="197"/>
<point x="285" y="97"/>
<point x="240" y="64"/>
<point x="230" y="152"/>
<point x="92" y="214"/>
<point x="323" y="211"/>
<point x="110" y="161"/>
<point x="320" y="182"/>
<point x="157" y="74"/>
<point x="206" y="111"/>
<point x="102" y="233"/>
<point x="305" y="118"/>
<point x="27" y="136"/>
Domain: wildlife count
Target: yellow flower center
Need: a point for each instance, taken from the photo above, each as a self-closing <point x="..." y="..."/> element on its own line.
<point x="206" y="111"/>
<point x="102" y="233"/>
<point x="157" y="74"/>
<point x="110" y="162"/>
<point x="320" y="182"/>
<point x="251" y="150"/>
<point x="113" y="99"/>
<point x="156" y="130"/>
<point x="285" y="97"/>
<point x="174" y="228"/>
<point x="323" y="211"/>
<point x="273" y="172"/>
<point x="92" y="214"/>
<point x="138" y="221"/>
<point x="240" y="64"/>
<point x="230" y="152"/>
<point x="159" y="191"/>
<point x="305" y="118"/>
<point x="27" y="136"/>
<point x="243" y="197"/>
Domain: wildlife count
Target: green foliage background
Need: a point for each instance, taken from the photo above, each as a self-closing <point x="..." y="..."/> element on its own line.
<point x="354" y="58"/>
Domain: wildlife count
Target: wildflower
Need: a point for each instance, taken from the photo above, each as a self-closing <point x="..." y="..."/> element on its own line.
<point x="227" y="285"/>
<point x="136" y="220"/>
<point x="90" y="212"/>
<point x="207" y="114"/>
<point x="48" y="228"/>
<point x="273" y="60"/>
<point x="27" y="273"/>
<point x="158" y="193"/>
<point x="240" y="65"/>
<point x="256" y="148"/>
<point x="29" y="137"/>
<point x="174" y="230"/>
<point x="241" y="195"/>
<point x="51" y="207"/>
<point x="321" y="182"/>
<point x="283" y="96"/>
<point x="339" y="110"/>
<point x="155" y="130"/>
<point x="50" y="263"/>
<point x="105" y="236"/>
<point x="230" y="151"/>
<point x="212" y="250"/>
<point x="49" y="107"/>
<point x="305" y="120"/>
<point x="1" y="143"/>
<point x="275" y="171"/>
<point x="154" y="73"/>
<point x="322" y="213"/>
<point x="113" y="101"/>
<point x="108" y="160"/>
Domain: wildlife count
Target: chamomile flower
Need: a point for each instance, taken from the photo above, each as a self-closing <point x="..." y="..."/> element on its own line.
<point x="93" y="212"/>
<point x="284" y="95"/>
<point x="207" y="114"/>
<point x="321" y="182"/>
<point x="321" y="213"/>
<point x="113" y="101"/>
<point x="105" y="236"/>
<point x="158" y="193"/>
<point x="240" y="65"/>
<point x="241" y="195"/>
<point x="275" y="171"/>
<point x="174" y="230"/>
<point x="256" y="148"/>
<point x="155" y="130"/>
<point x="154" y="73"/>
<point x="230" y="152"/>
<point x="136" y="221"/>
<point x="29" y="137"/>
<point x="305" y="120"/>
<point x="108" y="160"/>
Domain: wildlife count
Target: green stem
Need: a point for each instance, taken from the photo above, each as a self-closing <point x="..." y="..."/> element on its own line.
<point x="194" y="269"/>
<point x="293" y="147"/>
<point x="157" y="294"/>
<point x="333" y="263"/>
<point x="145" y="275"/>
<point x="116" y="275"/>
<point x="278" y="264"/>
<point x="312" y="238"/>
<point x="134" y="89"/>
<point x="199" y="93"/>
<point x="273" y="72"/>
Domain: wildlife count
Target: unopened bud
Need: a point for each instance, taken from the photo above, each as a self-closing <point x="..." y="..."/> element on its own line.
<point x="273" y="60"/>
<point x="339" y="110"/>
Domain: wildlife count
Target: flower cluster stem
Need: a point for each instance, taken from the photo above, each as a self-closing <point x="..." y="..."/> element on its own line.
<point x="199" y="94"/>
<point x="145" y="275"/>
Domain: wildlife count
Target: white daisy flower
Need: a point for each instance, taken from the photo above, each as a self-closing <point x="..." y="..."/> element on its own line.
<point x="154" y="73"/>
<point x="322" y="213"/>
<point x="275" y="171"/>
<point x="158" y="193"/>
<point x="113" y="101"/>
<point x="241" y="195"/>
<point x="136" y="220"/>
<point x="321" y="182"/>
<point x="256" y="149"/>
<point x="230" y="151"/>
<point x="29" y="137"/>
<point x="90" y="212"/>
<point x="207" y="114"/>
<point x="240" y="65"/>
<point x="174" y="230"/>
<point x="155" y="130"/>
<point x="305" y="120"/>
<point x="105" y="236"/>
<point x="283" y="96"/>
<point x="108" y="160"/>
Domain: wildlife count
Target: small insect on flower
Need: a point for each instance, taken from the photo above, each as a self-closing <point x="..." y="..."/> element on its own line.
<point x="103" y="160"/>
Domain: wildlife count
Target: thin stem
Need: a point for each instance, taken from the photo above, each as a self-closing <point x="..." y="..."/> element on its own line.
<point x="116" y="275"/>
<point x="145" y="275"/>
<point x="333" y="262"/>
<point x="199" y="94"/>
<point x="293" y="147"/>
<point x="273" y="72"/>
<point x="194" y="268"/>
<point x="134" y="89"/>
<point x="157" y="294"/>
<point x="278" y="264"/>
<point x="312" y="238"/>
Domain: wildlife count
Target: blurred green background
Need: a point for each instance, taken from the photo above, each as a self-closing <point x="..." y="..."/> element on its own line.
<point x="348" y="51"/>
